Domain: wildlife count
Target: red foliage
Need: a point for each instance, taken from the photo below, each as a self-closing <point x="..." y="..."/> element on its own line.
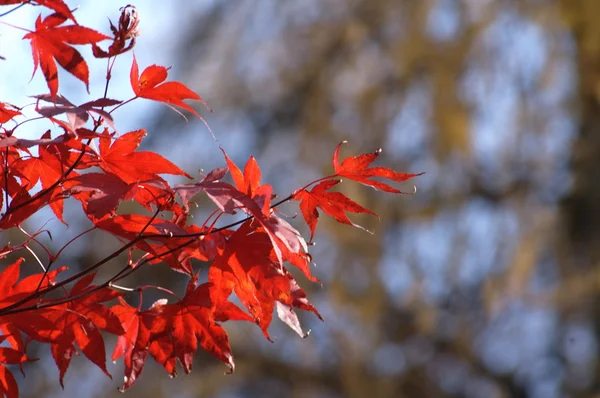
<point x="84" y="159"/>
<point x="49" y="43"/>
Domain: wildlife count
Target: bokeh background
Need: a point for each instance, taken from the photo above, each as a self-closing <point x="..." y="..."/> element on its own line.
<point x="485" y="283"/>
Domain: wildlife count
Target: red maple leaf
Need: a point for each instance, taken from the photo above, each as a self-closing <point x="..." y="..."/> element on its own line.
<point x="148" y="85"/>
<point x="8" y="385"/>
<point x="47" y="168"/>
<point x="119" y="157"/>
<point x="228" y="199"/>
<point x="177" y="253"/>
<point x="248" y="267"/>
<point x="32" y="323"/>
<point x="294" y="248"/>
<point x="171" y="332"/>
<point x="7" y="112"/>
<point x="105" y="191"/>
<point x="135" y="344"/>
<point x="77" y="115"/>
<point x="334" y="204"/>
<point x="192" y="323"/>
<point x="357" y="168"/>
<point x="50" y="44"/>
<point x="129" y="226"/>
<point x="249" y="182"/>
<point x="22" y="206"/>
<point x="252" y="198"/>
<point x="79" y="322"/>
<point x="9" y="185"/>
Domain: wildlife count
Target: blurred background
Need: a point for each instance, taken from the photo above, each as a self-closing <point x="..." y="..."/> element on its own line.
<point x="485" y="283"/>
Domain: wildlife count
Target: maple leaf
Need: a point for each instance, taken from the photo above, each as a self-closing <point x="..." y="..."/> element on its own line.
<point x="294" y="248"/>
<point x="228" y="199"/>
<point x="334" y="204"/>
<point x="178" y="252"/>
<point x="191" y="322"/>
<point x="148" y="85"/>
<point x="8" y="178"/>
<point x="8" y="385"/>
<point x="47" y="168"/>
<point x="129" y="226"/>
<point x="21" y="207"/>
<point x="7" y="112"/>
<point x="50" y="44"/>
<point x="105" y="193"/>
<point x="248" y="267"/>
<point x="79" y="321"/>
<point x="171" y="332"/>
<point x="32" y="323"/>
<point x="357" y="168"/>
<point x="77" y="115"/>
<point x="121" y="159"/>
<point x="248" y="195"/>
<point x="140" y="327"/>
<point x="249" y="182"/>
<point x="175" y="251"/>
<point x="24" y="143"/>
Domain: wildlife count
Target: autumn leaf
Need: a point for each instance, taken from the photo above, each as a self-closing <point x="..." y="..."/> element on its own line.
<point x="8" y="385"/>
<point x="249" y="268"/>
<point x="79" y="321"/>
<point x="134" y="345"/>
<point x="24" y="143"/>
<point x="105" y="193"/>
<point x="150" y="85"/>
<point x="334" y="204"/>
<point x="21" y="207"/>
<point x="294" y="248"/>
<point x="77" y="115"/>
<point x="129" y="226"/>
<point x="177" y="253"/>
<point x="9" y="185"/>
<point x="119" y="157"/>
<point x="172" y="332"/>
<point x="357" y="168"/>
<point x="192" y="324"/>
<point x="47" y="168"/>
<point x="50" y="44"/>
<point x="229" y="199"/>
<point x="7" y="112"/>
<point x="249" y="182"/>
<point x="33" y="323"/>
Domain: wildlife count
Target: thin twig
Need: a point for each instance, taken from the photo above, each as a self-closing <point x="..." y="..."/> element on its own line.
<point x="14" y="9"/>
